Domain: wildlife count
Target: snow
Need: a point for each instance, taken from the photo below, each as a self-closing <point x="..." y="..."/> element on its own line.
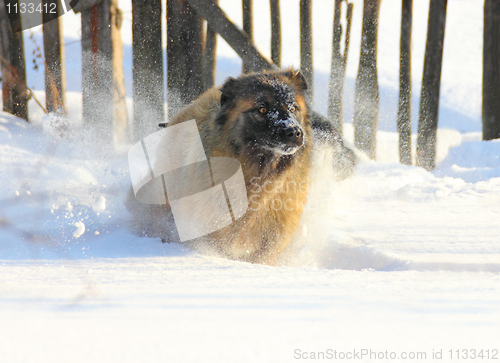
<point x="394" y="258"/>
<point x="80" y="229"/>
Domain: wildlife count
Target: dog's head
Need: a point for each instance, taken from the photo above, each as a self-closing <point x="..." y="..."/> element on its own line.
<point x="265" y="113"/>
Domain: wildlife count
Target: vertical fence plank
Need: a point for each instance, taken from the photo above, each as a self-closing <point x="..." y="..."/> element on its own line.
<point x="192" y="38"/>
<point x="404" y="103"/>
<point x="103" y="86"/>
<point x="306" y="56"/>
<point x="96" y="80"/>
<point x="431" y="83"/>
<point x="247" y="24"/>
<point x="147" y="66"/>
<point x="53" y="49"/>
<point x="336" y="72"/>
<point x="367" y="94"/>
<point x="175" y="57"/>
<point x="209" y="56"/>
<point x="491" y="70"/>
<point x="184" y="54"/>
<point x="7" y="80"/>
<point x="275" y="32"/>
<point x="14" y="92"/>
<point x="338" y="66"/>
<point x="119" y="93"/>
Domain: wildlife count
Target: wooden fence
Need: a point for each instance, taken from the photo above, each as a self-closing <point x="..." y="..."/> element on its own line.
<point x="190" y="59"/>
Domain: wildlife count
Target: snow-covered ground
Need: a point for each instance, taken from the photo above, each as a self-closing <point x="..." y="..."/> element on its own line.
<point x="395" y="259"/>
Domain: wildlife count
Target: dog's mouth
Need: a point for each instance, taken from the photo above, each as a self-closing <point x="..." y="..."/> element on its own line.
<point x="284" y="144"/>
<point x="283" y="148"/>
<point x="286" y="149"/>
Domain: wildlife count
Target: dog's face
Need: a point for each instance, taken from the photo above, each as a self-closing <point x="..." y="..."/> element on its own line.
<point x="265" y="113"/>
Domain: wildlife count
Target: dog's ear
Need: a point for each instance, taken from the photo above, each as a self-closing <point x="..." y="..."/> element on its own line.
<point x="227" y="90"/>
<point x="297" y="78"/>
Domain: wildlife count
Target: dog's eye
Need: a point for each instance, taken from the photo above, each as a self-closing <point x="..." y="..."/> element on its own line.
<point x="263" y="110"/>
<point x="293" y="109"/>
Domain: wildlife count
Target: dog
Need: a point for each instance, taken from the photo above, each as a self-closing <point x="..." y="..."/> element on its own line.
<point x="263" y="121"/>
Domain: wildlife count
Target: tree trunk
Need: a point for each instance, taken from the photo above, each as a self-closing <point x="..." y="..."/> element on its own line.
<point x="147" y="69"/>
<point x="367" y="93"/>
<point x="14" y="92"/>
<point x="338" y="66"/>
<point x="53" y="49"/>
<point x="275" y="32"/>
<point x="306" y="55"/>
<point x="404" y="103"/>
<point x="431" y="82"/>
<point x="491" y="70"/>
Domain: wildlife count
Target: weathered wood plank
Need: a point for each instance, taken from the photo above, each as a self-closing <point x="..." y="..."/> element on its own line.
<point x="53" y="49"/>
<point x="306" y="52"/>
<point x="192" y="40"/>
<point x="366" y="100"/>
<point x="15" y="95"/>
<point x="338" y="66"/>
<point x="147" y="66"/>
<point x="404" y="102"/>
<point x="103" y="85"/>
<point x="238" y="40"/>
<point x="275" y="32"/>
<point x="82" y="5"/>
<point x="209" y="55"/>
<point x="184" y="54"/>
<point x="491" y="70"/>
<point x="431" y="84"/>
<point x="175" y="56"/>
<point x="247" y="6"/>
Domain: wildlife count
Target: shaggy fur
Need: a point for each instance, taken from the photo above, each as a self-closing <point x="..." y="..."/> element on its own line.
<point x="263" y="121"/>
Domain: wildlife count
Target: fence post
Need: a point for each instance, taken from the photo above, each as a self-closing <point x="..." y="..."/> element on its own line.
<point x="147" y="68"/>
<point x="338" y="66"/>
<point x="431" y="82"/>
<point x="53" y="49"/>
<point x="247" y="6"/>
<point x="275" y="32"/>
<point x="367" y="95"/>
<point x="209" y="56"/>
<point x="404" y="103"/>
<point x="192" y="39"/>
<point x="14" y="92"/>
<point x="103" y="85"/>
<point x="184" y="55"/>
<point x="491" y="70"/>
<point x="174" y="57"/>
<point x="306" y="56"/>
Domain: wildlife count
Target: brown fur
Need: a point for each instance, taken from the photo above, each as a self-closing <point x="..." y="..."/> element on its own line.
<point x="277" y="191"/>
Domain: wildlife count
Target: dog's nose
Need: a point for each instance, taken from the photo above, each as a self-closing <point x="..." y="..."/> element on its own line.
<point x="294" y="134"/>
